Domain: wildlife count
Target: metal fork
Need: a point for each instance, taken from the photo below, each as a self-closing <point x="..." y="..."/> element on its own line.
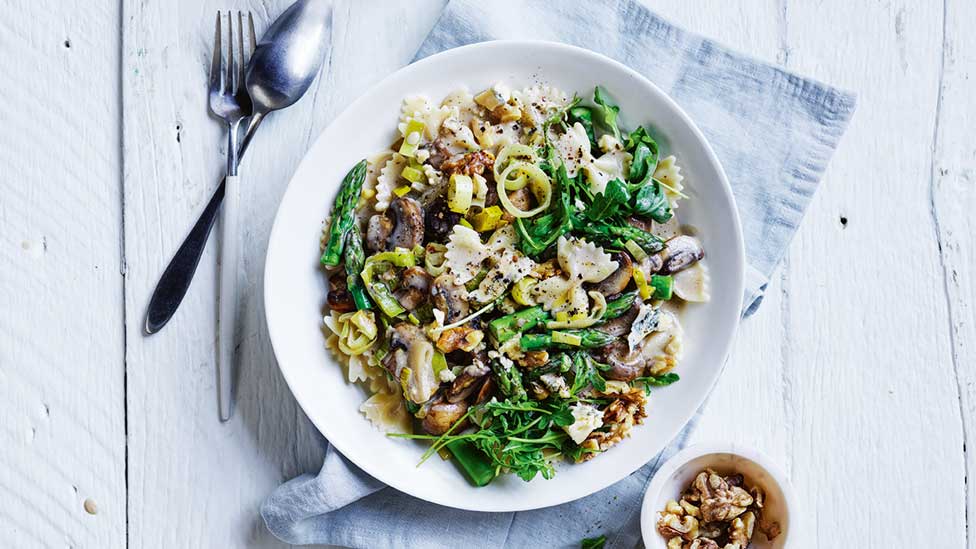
<point x="230" y="102"/>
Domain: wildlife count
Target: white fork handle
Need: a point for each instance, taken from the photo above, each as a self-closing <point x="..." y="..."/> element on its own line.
<point x="230" y="269"/>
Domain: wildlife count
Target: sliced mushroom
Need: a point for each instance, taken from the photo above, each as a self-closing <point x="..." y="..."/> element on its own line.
<point x="485" y="391"/>
<point x="465" y="384"/>
<point x="656" y="353"/>
<point x="441" y="416"/>
<point x="414" y="288"/>
<point x="620" y="326"/>
<point x="439" y="152"/>
<point x="693" y="283"/>
<point x="449" y="297"/>
<point x="439" y="220"/>
<point x="339" y="298"/>
<point x="402" y="337"/>
<point x="521" y="199"/>
<point x="619" y="279"/>
<point x="680" y="253"/>
<point x="378" y="232"/>
<point x="651" y="265"/>
<point x="409" y="229"/>
<point x="624" y="364"/>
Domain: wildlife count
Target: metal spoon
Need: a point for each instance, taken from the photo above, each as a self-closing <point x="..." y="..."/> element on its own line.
<point x="281" y="69"/>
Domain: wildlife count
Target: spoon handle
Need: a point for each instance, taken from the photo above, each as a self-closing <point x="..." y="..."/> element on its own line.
<point x="175" y="280"/>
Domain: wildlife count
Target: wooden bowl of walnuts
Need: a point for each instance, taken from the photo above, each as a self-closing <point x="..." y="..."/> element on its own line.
<point x="719" y="496"/>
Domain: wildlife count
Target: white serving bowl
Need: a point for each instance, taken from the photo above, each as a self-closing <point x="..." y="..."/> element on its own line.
<point x="295" y="287"/>
<point x="757" y="469"/>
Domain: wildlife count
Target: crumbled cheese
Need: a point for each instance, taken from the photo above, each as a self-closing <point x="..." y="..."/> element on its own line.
<point x="645" y="323"/>
<point x="447" y="375"/>
<point x="588" y="419"/>
<point x="556" y="384"/>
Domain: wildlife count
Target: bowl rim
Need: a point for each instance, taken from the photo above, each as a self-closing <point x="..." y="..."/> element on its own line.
<point x="737" y="275"/>
<point x="649" y="534"/>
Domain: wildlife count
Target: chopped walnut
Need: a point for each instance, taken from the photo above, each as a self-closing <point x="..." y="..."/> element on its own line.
<point x="547" y="269"/>
<point x="673" y="525"/>
<point x="741" y="530"/>
<point x="462" y="338"/>
<point x="713" y="530"/>
<point x="533" y="359"/>
<point x="620" y="416"/>
<point x="674" y="508"/>
<point x="469" y="163"/>
<point x="758" y="497"/>
<point x="720" y="500"/>
<point x="770" y="529"/>
<point x="725" y="511"/>
<point x="690" y="509"/>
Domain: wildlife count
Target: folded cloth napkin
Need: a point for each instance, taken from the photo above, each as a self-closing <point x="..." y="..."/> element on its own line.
<point x="774" y="133"/>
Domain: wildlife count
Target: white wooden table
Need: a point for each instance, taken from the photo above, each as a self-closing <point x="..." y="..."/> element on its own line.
<point x="858" y="374"/>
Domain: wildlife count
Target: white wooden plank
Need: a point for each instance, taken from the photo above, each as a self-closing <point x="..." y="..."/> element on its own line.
<point x="751" y="402"/>
<point x="198" y="483"/>
<point x="876" y="402"/>
<point x="62" y="425"/>
<point x="953" y="203"/>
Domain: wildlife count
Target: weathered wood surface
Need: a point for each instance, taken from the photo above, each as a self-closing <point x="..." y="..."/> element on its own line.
<point x="858" y="374"/>
<point x="62" y="392"/>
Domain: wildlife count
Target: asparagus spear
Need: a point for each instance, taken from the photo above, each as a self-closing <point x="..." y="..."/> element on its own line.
<point x="509" y="381"/>
<point x="560" y="364"/>
<point x="589" y="339"/>
<point x="475" y="463"/>
<point x="354" y="263"/>
<point x="506" y="327"/>
<point x="617" y="235"/>
<point x="619" y="306"/>
<point x="343" y="213"/>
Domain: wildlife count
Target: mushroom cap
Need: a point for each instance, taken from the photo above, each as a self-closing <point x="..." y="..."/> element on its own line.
<point x="409" y="228"/>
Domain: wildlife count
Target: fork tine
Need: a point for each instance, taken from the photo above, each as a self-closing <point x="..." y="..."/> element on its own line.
<point x="216" y="82"/>
<point x="250" y="23"/>
<point x="240" y="47"/>
<point x="231" y="67"/>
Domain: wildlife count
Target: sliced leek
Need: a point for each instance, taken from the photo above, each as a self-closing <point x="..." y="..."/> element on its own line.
<point x="459" y="193"/>
<point x="538" y="183"/>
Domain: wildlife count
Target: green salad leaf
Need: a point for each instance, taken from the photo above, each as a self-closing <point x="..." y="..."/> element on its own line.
<point x="652" y="202"/>
<point x="645" y="154"/>
<point x="657" y="381"/>
<point x="614" y="199"/>
<point x="594" y="543"/>
<point x="608" y="111"/>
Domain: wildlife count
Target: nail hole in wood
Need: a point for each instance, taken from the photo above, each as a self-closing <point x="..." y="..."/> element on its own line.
<point x="843" y="221"/>
<point x="67" y="43"/>
<point x="179" y="128"/>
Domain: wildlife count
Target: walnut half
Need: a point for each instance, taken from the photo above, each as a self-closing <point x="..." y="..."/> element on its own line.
<point x="721" y="501"/>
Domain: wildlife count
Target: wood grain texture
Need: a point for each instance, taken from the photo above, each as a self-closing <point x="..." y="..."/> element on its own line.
<point x="953" y="195"/>
<point x="195" y="482"/>
<point x="62" y="423"/>
<point x="877" y="408"/>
